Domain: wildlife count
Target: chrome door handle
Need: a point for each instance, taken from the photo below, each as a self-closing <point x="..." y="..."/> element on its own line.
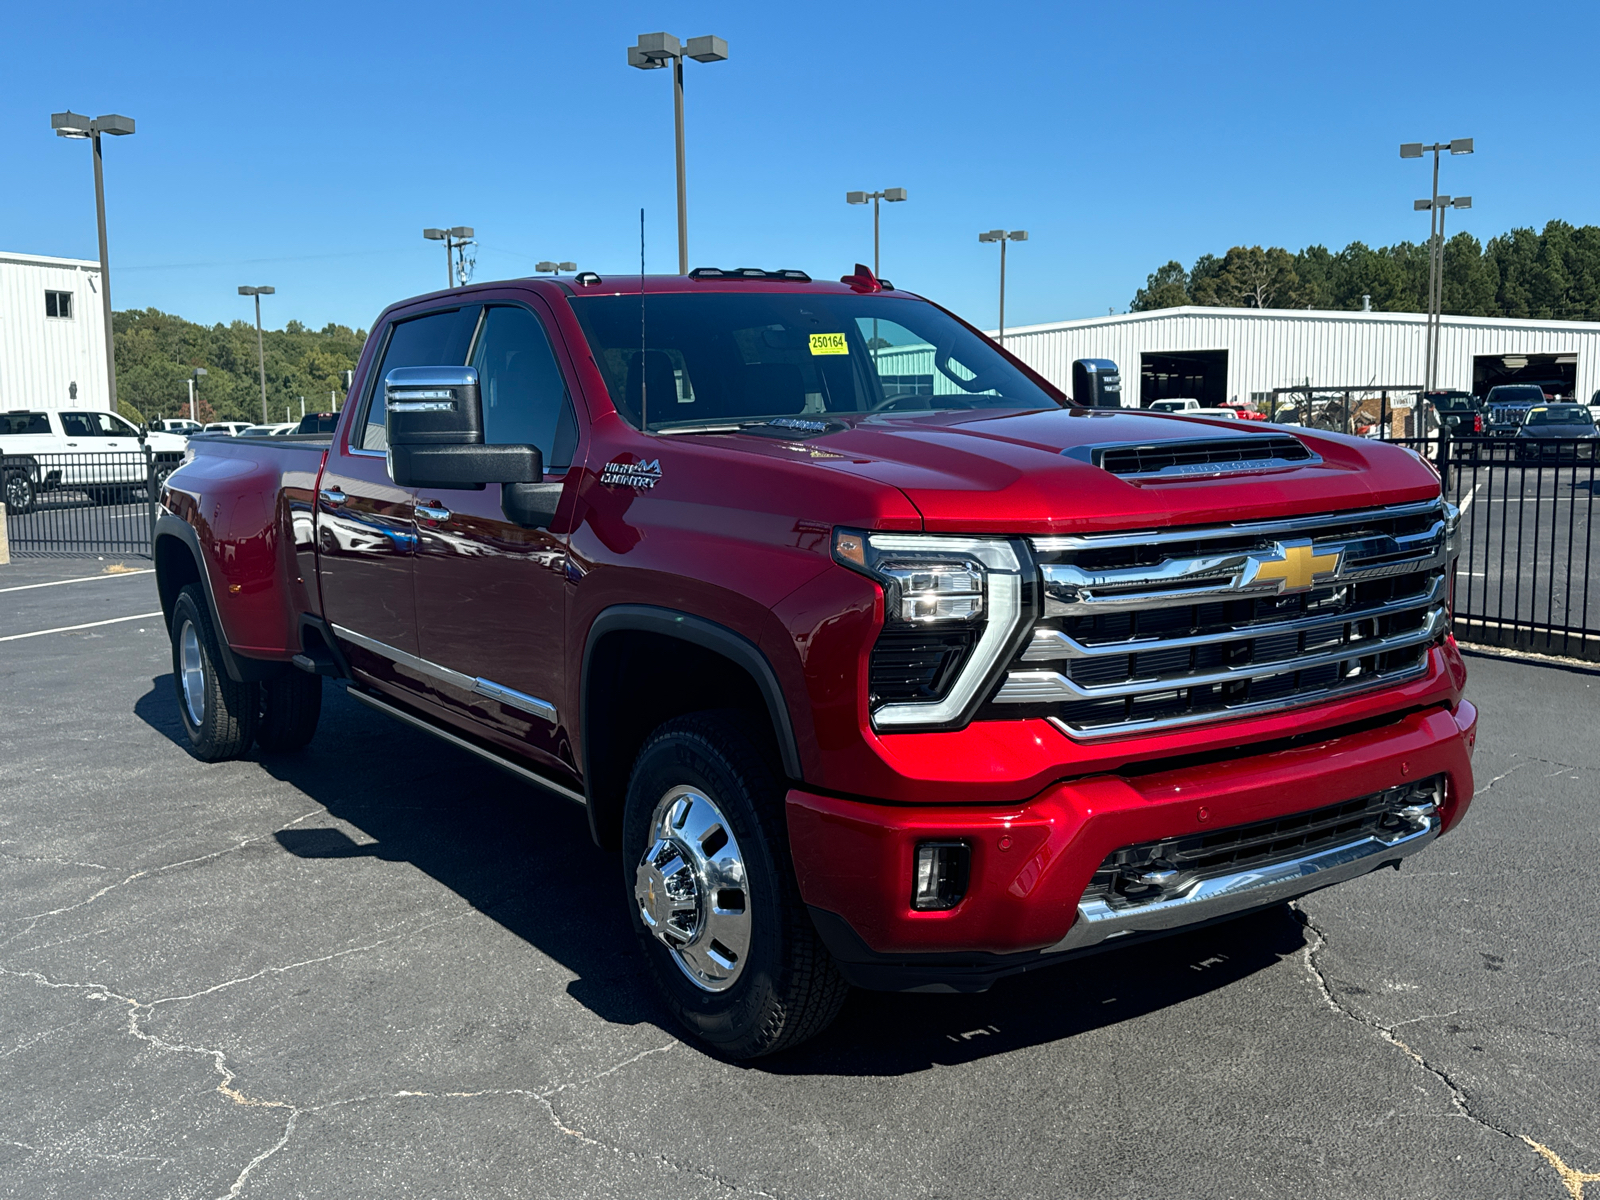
<point x="430" y="513"/>
<point x="331" y="496"/>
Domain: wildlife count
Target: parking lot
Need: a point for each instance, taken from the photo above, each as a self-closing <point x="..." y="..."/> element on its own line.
<point x="381" y="968"/>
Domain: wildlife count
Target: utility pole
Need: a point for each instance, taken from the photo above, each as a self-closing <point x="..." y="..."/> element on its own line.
<point x="1435" y="207"/>
<point x="261" y="353"/>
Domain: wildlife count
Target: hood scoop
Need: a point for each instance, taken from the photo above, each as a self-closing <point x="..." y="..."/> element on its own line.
<point x="1198" y="457"/>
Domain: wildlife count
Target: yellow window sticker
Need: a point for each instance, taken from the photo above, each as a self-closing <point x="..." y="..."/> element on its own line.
<point x="829" y="343"/>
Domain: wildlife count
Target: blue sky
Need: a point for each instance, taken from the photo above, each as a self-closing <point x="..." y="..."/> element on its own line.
<point x="306" y="145"/>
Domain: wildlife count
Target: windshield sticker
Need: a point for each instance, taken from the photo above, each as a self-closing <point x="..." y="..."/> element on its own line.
<point x="644" y="475"/>
<point x="829" y="343"/>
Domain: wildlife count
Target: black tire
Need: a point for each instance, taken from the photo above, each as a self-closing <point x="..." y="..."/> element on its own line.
<point x="290" y="708"/>
<point x="787" y="989"/>
<point x="218" y="714"/>
<point x="20" y="496"/>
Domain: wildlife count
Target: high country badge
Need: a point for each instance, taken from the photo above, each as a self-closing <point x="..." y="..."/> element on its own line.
<point x="643" y="475"/>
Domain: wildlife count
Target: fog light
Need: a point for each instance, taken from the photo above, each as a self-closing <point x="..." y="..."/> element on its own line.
<point x="940" y="878"/>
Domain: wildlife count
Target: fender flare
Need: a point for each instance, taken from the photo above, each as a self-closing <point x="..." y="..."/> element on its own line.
<point x="735" y="647"/>
<point x="240" y="669"/>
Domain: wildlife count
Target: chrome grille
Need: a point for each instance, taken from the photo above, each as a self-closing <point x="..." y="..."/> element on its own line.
<point x="1163" y="628"/>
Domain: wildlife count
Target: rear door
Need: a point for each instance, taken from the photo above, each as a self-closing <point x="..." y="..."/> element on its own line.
<point x="366" y="523"/>
<point x="491" y="594"/>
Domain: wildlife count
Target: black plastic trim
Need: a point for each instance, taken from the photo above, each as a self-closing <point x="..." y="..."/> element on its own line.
<point x="648" y="618"/>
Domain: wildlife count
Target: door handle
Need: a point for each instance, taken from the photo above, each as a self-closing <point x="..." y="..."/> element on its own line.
<point x="332" y="496"/>
<point x="431" y="513"/>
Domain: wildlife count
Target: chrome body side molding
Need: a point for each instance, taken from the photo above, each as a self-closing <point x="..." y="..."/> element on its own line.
<point x="486" y="688"/>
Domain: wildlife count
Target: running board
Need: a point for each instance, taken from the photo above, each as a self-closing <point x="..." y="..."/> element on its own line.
<point x="505" y="764"/>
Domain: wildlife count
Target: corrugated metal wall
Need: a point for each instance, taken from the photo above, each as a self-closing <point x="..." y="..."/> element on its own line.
<point x="1272" y="348"/>
<point x="41" y="357"/>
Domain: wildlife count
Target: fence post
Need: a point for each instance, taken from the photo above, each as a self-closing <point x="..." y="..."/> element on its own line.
<point x="150" y="490"/>
<point x="1444" y="457"/>
<point x="5" y="540"/>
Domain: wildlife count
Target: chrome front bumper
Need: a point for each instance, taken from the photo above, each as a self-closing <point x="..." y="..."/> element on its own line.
<point x="1226" y="895"/>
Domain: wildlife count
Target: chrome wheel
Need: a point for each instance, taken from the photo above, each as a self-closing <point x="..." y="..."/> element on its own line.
<point x="192" y="673"/>
<point x="691" y="892"/>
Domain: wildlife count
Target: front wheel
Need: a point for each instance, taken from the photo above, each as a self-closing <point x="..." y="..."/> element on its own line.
<point x="19" y="493"/>
<point x="712" y="894"/>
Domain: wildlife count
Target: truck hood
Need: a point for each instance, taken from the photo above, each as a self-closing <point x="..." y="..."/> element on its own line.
<point x="1037" y="472"/>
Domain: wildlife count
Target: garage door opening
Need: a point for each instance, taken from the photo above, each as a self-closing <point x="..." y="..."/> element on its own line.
<point x="1557" y="374"/>
<point x="1201" y="374"/>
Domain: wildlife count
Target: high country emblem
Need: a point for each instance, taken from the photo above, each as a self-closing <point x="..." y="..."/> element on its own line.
<point x="643" y="475"/>
<point x="1293" y="567"/>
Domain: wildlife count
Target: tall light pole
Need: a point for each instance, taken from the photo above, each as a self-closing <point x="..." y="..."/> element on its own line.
<point x="71" y="125"/>
<point x="1435" y="251"/>
<point x="1438" y="204"/>
<point x="194" y="384"/>
<point x="1003" y="236"/>
<point x="453" y="239"/>
<point x="261" y="354"/>
<point x="554" y="268"/>
<point x="657" y="50"/>
<point x="892" y="195"/>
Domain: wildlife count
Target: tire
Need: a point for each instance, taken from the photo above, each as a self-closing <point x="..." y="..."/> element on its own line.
<point x="695" y="775"/>
<point x="218" y="714"/>
<point x="290" y="708"/>
<point x="20" y="496"/>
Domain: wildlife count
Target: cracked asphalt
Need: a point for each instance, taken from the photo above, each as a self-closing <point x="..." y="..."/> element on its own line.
<point x="381" y="968"/>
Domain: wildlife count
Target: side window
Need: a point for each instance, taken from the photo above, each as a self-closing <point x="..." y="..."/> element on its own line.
<point x="77" y="425"/>
<point x="24" y="423"/>
<point x="525" y="400"/>
<point x="438" y="339"/>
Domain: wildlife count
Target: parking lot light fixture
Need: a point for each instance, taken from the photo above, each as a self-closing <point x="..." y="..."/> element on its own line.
<point x="1435" y="248"/>
<point x="1003" y="236"/>
<point x="656" y="50"/>
<point x="454" y="239"/>
<point x="74" y="125"/>
<point x="893" y="195"/>
<point x="555" y="268"/>
<point x="261" y="354"/>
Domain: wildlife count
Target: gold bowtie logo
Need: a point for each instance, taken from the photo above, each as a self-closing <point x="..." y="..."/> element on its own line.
<point x="1296" y="567"/>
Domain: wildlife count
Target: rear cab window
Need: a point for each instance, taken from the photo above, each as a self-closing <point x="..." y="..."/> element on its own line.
<point x="24" y="424"/>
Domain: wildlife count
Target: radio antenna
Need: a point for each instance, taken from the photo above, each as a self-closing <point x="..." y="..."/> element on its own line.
<point x="644" y="375"/>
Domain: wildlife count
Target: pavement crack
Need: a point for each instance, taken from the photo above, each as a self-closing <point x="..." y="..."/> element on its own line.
<point x="1572" y="1180"/>
<point x="1488" y="787"/>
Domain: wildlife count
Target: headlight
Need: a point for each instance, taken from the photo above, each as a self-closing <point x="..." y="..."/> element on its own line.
<point x="1452" y="530"/>
<point x="952" y="606"/>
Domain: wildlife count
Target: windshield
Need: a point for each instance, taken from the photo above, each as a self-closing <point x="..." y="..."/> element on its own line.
<point x="725" y="358"/>
<point x="1559" y="416"/>
<point x="1521" y="393"/>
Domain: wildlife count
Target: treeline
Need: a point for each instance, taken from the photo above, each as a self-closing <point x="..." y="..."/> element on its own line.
<point x="1553" y="275"/>
<point x="156" y="353"/>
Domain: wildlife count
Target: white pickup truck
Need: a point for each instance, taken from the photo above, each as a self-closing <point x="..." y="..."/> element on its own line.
<point x="82" y="450"/>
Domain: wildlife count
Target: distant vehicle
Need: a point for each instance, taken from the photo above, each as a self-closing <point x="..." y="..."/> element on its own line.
<point x="324" y="422"/>
<point x="1470" y="417"/>
<point x="81" y="450"/>
<point x="1176" y="404"/>
<point x="278" y="430"/>
<point x="1246" y="413"/>
<point x="1557" y="431"/>
<point x="1594" y="407"/>
<point x="228" y="428"/>
<point x="1508" y="404"/>
<point x="178" y="425"/>
<point x="1229" y="413"/>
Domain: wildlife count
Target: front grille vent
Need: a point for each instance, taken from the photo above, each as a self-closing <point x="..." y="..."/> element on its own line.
<point x="1150" y="871"/>
<point x="1212" y="456"/>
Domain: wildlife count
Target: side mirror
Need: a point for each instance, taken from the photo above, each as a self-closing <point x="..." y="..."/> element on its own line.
<point x="435" y="427"/>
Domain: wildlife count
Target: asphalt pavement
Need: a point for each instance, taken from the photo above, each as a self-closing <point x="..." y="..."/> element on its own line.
<point x="380" y="968"/>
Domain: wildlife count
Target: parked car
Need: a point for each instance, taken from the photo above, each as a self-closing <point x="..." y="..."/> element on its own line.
<point x="1176" y="404"/>
<point x="1508" y="405"/>
<point x="227" y="428"/>
<point x="321" y="422"/>
<point x="277" y="430"/>
<point x="909" y="690"/>
<point x="1556" y="431"/>
<point x="1462" y="412"/>
<point x="99" y="454"/>
<point x="1223" y="411"/>
<point x="179" y="425"/>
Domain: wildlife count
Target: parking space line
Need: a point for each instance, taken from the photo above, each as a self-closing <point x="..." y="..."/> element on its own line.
<point x="86" y="579"/>
<point x="17" y="637"/>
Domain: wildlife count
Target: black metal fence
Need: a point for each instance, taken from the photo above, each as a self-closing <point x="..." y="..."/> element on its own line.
<point x="1528" y="576"/>
<point x="82" y="504"/>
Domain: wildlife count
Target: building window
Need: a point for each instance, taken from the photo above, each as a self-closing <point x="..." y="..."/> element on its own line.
<point x="58" y="304"/>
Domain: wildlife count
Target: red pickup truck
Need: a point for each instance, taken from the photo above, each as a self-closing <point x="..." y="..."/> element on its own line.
<point x="876" y="660"/>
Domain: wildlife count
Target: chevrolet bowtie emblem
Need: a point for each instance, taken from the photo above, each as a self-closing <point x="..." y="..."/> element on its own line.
<point x="1294" y="567"/>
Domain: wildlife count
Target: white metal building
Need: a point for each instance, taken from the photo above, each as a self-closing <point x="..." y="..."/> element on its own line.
<point x="52" y="333"/>
<point x="1241" y="354"/>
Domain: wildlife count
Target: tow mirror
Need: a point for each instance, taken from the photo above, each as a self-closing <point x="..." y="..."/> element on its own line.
<point x="435" y="429"/>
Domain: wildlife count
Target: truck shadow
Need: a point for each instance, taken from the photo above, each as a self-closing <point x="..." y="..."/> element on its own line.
<point x="524" y="858"/>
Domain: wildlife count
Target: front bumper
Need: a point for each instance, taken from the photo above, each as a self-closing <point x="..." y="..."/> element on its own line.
<point x="1030" y="864"/>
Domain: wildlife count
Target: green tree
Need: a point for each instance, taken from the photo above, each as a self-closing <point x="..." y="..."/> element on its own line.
<point x="1165" y="288"/>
